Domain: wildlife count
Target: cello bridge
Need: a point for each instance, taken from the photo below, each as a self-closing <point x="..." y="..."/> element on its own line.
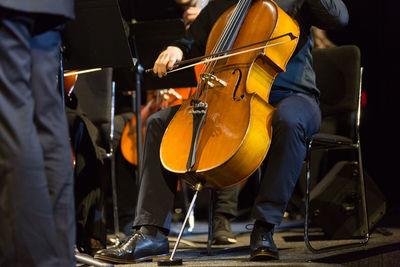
<point x="212" y="80"/>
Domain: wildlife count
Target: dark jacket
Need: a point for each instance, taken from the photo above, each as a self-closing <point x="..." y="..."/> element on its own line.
<point x="63" y="8"/>
<point x="52" y="12"/>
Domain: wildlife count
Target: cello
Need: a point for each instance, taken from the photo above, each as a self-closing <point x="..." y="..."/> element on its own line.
<point x="222" y="134"/>
<point x="128" y="138"/>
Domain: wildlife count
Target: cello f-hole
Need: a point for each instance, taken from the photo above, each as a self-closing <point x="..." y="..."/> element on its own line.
<point x="237" y="85"/>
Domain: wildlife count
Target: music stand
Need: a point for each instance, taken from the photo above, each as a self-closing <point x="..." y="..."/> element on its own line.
<point x="147" y="39"/>
<point x="97" y="39"/>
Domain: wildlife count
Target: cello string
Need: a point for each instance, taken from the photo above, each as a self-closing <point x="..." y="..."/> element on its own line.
<point x="232" y="25"/>
<point x="237" y="22"/>
<point x="219" y="44"/>
<point x="221" y="39"/>
<point x="229" y="27"/>
<point x="230" y="32"/>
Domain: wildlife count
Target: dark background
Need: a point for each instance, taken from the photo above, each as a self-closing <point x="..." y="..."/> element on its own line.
<point x="374" y="27"/>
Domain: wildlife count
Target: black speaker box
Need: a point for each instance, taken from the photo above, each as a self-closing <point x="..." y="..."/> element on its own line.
<point x="335" y="202"/>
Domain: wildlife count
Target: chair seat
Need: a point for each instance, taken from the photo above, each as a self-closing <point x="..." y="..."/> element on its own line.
<point x="324" y="139"/>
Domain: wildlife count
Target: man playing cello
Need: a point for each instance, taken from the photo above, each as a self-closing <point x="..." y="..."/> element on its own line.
<point x="296" y="118"/>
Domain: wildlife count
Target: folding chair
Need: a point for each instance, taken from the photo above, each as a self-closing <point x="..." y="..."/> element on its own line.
<point x="338" y="74"/>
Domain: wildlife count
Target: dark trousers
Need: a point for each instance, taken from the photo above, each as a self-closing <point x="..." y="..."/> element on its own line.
<point x="296" y="118"/>
<point x="37" y="225"/>
<point x="89" y="183"/>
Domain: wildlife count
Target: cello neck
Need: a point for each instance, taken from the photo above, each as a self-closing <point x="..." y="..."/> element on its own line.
<point x="232" y="28"/>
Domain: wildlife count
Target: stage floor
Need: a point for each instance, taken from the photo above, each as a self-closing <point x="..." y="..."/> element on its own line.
<point x="383" y="248"/>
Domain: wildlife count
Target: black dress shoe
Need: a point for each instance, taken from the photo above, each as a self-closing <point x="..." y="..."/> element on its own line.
<point x="262" y="245"/>
<point x="137" y="248"/>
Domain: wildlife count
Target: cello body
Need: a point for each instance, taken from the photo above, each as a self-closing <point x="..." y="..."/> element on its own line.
<point x="236" y="133"/>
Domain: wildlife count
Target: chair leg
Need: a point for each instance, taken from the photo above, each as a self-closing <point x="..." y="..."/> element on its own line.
<point x="114" y="199"/>
<point x="210" y="220"/>
<point x="307" y="208"/>
<point x="307" y="200"/>
<point x="112" y="160"/>
<point x="363" y="194"/>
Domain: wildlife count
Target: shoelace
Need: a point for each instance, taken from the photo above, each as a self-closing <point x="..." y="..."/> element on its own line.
<point x="127" y="243"/>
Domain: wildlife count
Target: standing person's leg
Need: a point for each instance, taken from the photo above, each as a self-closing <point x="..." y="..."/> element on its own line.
<point x="52" y="128"/>
<point x="27" y="227"/>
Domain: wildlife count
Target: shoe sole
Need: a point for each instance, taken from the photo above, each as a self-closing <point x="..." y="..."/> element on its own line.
<point x="153" y="258"/>
<point x="228" y="241"/>
<point x="264" y="256"/>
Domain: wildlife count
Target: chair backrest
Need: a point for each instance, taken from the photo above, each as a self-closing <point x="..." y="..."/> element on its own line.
<point x="338" y="77"/>
<point x="94" y="91"/>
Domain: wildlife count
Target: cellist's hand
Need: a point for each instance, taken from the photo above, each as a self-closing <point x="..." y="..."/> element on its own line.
<point x="166" y="60"/>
